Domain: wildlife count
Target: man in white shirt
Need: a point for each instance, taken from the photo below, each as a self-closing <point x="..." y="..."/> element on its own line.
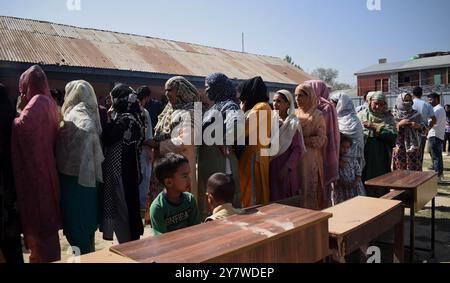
<point x="436" y="135"/>
<point x="426" y="111"/>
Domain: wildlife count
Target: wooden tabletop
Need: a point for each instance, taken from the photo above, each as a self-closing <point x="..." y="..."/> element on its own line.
<point x="402" y="180"/>
<point x="216" y="239"/>
<point x="352" y="214"/>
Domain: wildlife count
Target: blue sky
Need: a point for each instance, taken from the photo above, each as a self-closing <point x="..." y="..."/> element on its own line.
<point x="340" y="34"/>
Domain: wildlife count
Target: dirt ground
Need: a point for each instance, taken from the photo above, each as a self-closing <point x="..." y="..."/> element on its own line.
<point x="423" y="226"/>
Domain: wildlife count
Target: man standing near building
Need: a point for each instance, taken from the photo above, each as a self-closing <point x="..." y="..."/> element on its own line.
<point x="153" y="106"/>
<point x="428" y="116"/>
<point x="436" y="135"/>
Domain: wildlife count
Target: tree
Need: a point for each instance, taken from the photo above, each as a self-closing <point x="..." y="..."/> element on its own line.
<point x="288" y="59"/>
<point x="341" y="86"/>
<point x="327" y="75"/>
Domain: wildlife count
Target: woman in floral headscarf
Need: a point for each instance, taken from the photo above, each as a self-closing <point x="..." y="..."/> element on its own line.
<point x="310" y="167"/>
<point x="122" y="136"/>
<point x="380" y="134"/>
<point x="79" y="158"/>
<point x="406" y="154"/>
<point x="219" y="157"/>
<point x="33" y="143"/>
<point x="175" y="129"/>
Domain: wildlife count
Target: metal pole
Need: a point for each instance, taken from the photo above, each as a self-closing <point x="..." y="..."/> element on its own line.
<point x="243" y="45"/>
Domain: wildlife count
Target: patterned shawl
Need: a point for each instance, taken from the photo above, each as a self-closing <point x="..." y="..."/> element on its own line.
<point x="187" y="95"/>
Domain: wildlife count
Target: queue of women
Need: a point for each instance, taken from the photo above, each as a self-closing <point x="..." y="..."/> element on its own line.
<point x="73" y="171"/>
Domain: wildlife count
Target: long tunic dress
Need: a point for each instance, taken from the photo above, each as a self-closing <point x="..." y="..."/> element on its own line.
<point x="282" y="187"/>
<point x="253" y="167"/>
<point x="37" y="183"/>
<point x="310" y="167"/>
<point x="121" y="211"/>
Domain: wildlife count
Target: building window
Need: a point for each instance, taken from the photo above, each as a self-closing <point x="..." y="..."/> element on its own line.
<point x="377" y="85"/>
<point x="385" y="85"/>
<point x="434" y="77"/>
<point x="408" y="79"/>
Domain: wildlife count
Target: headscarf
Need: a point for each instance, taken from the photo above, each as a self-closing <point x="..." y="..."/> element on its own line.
<point x="33" y="140"/>
<point x="253" y="91"/>
<point x="320" y="88"/>
<point x="349" y="123"/>
<point x="79" y="150"/>
<point x="305" y="112"/>
<point x="34" y="81"/>
<point x="187" y="95"/>
<point x="220" y="88"/>
<point x="382" y="119"/>
<point x="404" y="110"/>
<point x="222" y="92"/>
<point x="331" y="160"/>
<point x="291" y="126"/>
<point x="129" y="114"/>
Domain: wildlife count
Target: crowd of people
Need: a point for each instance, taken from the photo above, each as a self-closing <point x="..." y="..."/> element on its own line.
<point x="69" y="163"/>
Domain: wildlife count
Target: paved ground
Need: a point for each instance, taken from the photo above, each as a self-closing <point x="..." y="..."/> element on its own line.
<point x="422" y="229"/>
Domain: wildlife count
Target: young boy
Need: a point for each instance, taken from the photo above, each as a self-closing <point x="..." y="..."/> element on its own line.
<point x="220" y="195"/>
<point x="174" y="208"/>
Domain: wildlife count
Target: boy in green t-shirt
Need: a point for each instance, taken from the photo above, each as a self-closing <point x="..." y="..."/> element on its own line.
<point x="174" y="208"/>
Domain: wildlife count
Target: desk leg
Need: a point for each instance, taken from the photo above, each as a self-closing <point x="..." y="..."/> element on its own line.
<point x="398" y="241"/>
<point x="433" y="218"/>
<point x="412" y="232"/>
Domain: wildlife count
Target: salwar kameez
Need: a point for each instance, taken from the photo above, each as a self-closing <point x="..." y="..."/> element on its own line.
<point x="253" y="166"/>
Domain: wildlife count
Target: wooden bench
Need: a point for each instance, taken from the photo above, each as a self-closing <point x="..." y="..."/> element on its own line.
<point x="357" y="222"/>
<point x="272" y="234"/>
<point x="419" y="189"/>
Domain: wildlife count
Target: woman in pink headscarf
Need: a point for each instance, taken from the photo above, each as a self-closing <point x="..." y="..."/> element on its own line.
<point x="33" y="156"/>
<point x="331" y="157"/>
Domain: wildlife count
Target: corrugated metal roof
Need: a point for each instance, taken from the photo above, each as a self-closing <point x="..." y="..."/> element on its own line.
<point x="37" y="42"/>
<point x="417" y="64"/>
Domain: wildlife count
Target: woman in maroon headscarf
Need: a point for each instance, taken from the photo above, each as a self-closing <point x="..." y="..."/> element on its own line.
<point x="33" y="156"/>
<point x="331" y="154"/>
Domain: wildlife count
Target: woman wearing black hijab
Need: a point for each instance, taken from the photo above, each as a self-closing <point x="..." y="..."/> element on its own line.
<point x="10" y="242"/>
<point x="122" y="137"/>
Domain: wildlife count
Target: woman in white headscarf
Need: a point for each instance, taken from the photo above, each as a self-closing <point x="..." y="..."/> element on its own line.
<point x="283" y="173"/>
<point x="350" y="126"/>
<point x="79" y="160"/>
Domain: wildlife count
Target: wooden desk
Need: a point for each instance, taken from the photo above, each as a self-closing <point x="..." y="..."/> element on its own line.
<point x="421" y="188"/>
<point x="272" y="234"/>
<point x="359" y="221"/>
<point x="103" y="256"/>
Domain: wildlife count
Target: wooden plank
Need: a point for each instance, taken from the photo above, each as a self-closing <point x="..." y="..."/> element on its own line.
<point x="352" y="214"/>
<point x="226" y="239"/>
<point x="404" y="180"/>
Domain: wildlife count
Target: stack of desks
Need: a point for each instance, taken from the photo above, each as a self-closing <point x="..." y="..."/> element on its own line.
<point x="271" y="234"/>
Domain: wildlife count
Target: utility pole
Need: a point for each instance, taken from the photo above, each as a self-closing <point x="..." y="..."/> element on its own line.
<point x="243" y="45"/>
